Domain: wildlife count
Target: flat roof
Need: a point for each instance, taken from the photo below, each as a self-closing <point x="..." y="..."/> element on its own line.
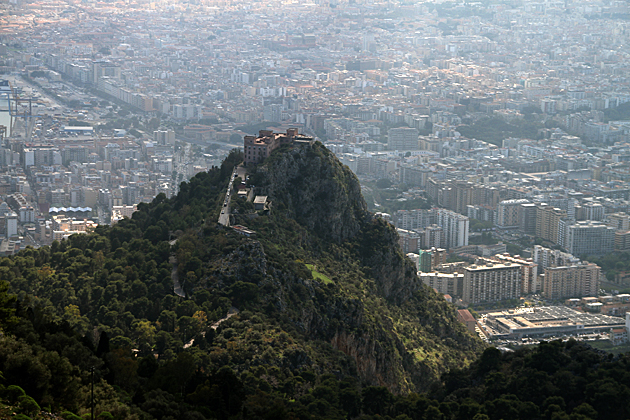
<point x="439" y="274"/>
<point x="492" y="266"/>
<point x="69" y="209"/>
<point x="77" y="128"/>
<point x="560" y="314"/>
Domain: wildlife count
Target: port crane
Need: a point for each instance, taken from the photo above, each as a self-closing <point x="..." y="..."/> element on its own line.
<point x="18" y="108"/>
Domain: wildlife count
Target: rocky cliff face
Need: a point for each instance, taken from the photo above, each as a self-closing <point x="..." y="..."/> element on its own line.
<point x="379" y="355"/>
<point x="325" y="197"/>
<point x="319" y="192"/>
<point x="380" y="252"/>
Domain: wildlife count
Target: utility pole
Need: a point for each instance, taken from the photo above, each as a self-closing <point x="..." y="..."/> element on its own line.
<point x="92" y="369"/>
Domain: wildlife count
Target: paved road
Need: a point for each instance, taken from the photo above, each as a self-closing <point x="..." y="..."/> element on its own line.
<point x="224" y="217"/>
<point x="241" y="171"/>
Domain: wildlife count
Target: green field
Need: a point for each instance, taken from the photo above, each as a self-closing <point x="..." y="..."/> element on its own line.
<point x="608" y="347"/>
<point x="317" y="275"/>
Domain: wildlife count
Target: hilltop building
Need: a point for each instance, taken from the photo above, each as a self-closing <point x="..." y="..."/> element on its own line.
<point x="257" y="149"/>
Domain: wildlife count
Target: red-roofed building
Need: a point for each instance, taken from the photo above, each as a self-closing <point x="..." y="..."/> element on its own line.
<point x="618" y="336"/>
<point x="465" y="317"/>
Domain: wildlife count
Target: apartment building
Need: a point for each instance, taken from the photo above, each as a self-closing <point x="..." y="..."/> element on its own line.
<point x="586" y="237"/>
<point x="589" y="211"/>
<point x="455" y="228"/>
<point x="509" y="213"/>
<point x="546" y="257"/>
<point x="622" y="240"/>
<point x="409" y="240"/>
<point x="491" y="282"/>
<point x="527" y="218"/>
<point x="414" y="219"/>
<point x="483" y="213"/>
<point x="619" y="221"/>
<point x="430" y="259"/>
<point x="529" y="272"/>
<point x="402" y="138"/>
<point x="446" y="284"/>
<point x="547" y="222"/>
<point x="434" y="237"/>
<point x="571" y="281"/>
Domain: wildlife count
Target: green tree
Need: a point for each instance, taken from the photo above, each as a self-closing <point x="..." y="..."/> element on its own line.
<point x="383" y="183"/>
<point x="145" y="332"/>
<point x="237" y="182"/>
<point x="376" y="400"/>
<point x="153" y="124"/>
<point x="28" y="405"/>
<point x="7" y="307"/>
<point x="38" y="73"/>
<point x="13" y="393"/>
<point x="243" y="292"/>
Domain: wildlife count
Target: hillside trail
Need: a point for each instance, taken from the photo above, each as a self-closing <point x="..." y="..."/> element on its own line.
<point x="177" y="287"/>
<point x="233" y="311"/>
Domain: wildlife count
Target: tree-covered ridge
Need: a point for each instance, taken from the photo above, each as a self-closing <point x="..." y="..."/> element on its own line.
<point x="158" y="355"/>
<point x="46" y="365"/>
<point x="554" y="380"/>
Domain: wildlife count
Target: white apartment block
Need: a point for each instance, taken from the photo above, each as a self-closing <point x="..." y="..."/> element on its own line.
<point x="491" y="282"/>
<point x="455" y="228"/>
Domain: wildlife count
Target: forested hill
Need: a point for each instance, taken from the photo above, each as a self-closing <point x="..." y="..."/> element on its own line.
<point x="328" y="307"/>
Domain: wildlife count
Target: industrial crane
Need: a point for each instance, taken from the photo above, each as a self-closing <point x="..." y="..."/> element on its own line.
<point x="17" y="106"/>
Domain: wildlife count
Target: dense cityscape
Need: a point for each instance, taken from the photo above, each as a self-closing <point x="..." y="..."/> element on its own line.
<point x="493" y="135"/>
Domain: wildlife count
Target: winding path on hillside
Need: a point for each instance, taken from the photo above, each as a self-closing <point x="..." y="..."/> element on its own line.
<point x="177" y="288"/>
<point x="233" y="311"/>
